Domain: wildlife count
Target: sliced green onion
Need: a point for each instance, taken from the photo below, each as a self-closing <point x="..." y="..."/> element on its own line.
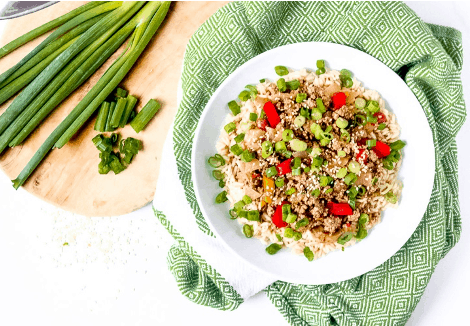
<point x="131" y="101"/>
<point x="361" y="233"/>
<point x="242" y="213"/>
<point x="342" y="123"/>
<point x="279" y="182"/>
<point x="221" y="198"/>
<point x="316" y="114"/>
<point x="300" y="97"/>
<point x="271" y="172"/>
<point x="287" y="154"/>
<point x="374" y="181"/>
<point x="266" y="149"/>
<point x="373" y="106"/>
<point x="382" y="126"/>
<point x="371" y="119"/>
<point x="297" y="171"/>
<point x="352" y="192"/>
<point x="234" y="107"/>
<point x="236" y="149"/>
<point x="286" y="210"/>
<point x="100" y="123"/>
<point x="239" y="138"/>
<point x="218" y="175"/>
<point x="361" y="191"/>
<point x="320" y="71"/>
<point x="278" y="236"/>
<point x="291" y="218"/>
<point x="290" y="191"/>
<point x="345" y="73"/>
<point x="397" y="145"/>
<point x="341" y="173"/>
<point x="350" y="179"/>
<point x="273" y="248"/>
<point x="288" y="233"/>
<point x="388" y="164"/>
<point x="360" y="119"/>
<point x="229" y="127"/>
<point x="345" y="136"/>
<point x="297" y="236"/>
<point x="253" y="116"/>
<point x="352" y="203"/>
<point x="360" y="103"/>
<point x="324" y="181"/>
<point x="346" y="237"/>
<point x="308" y="253"/>
<point x="253" y="90"/>
<point x="248" y="230"/>
<point x="281" y="70"/>
<point x="341" y="153"/>
<point x="363" y="219"/>
<point x="301" y="223"/>
<point x="216" y="162"/>
<point x="329" y="190"/>
<point x="296" y="162"/>
<point x="316" y="192"/>
<point x="280" y="146"/>
<point x="112" y="107"/>
<point x="347" y="83"/>
<point x="287" y="135"/>
<point x="145" y="115"/>
<point x="307" y="169"/>
<point x="233" y="214"/>
<point x="304" y="112"/>
<point x="320" y="64"/>
<point x="118" y="112"/>
<point x="391" y="198"/>
<point x="320" y="105"/>
<point x="317" y="161"/>
<point x="293" y="84"/>
<point x="262" y="80"/>
<point x="371" y="143"/>
<point x="316" y="151"/>
<point x="298" y="145"/>
<point x="221" y="183"/>
<point x="253" y="215"/>
<point x="247" y="156"/>
<point x="354" y="167"/>
<point x="244" y="95"/>
<point x="299" y="121"/>
<point x="324" y="141"/>
<point x="281" y="84"/>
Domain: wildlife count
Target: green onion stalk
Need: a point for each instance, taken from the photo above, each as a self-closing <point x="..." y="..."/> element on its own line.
<point x="69" y="79"/>
<point x="46" y="28"/>
<point x="149" y="20"/>
<point x="33" y="89"/>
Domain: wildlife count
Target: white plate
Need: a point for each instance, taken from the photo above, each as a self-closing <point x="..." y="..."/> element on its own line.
<point x="417" y="171"/>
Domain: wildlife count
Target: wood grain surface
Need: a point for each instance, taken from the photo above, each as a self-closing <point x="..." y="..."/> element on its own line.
<point x="68" y="177"/>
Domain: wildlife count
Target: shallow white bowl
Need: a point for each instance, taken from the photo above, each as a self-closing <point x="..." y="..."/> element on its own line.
<point x="417" y="171"/>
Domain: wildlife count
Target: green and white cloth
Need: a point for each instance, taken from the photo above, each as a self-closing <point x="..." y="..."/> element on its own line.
<point x="428" y="57"/>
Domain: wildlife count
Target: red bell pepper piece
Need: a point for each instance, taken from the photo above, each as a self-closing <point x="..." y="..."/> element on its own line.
<point x="262" y="124"/>
<point x="255" y="175"/>
<point x="361" y="156"/>
<point x="362" y="142"/>
<point x="284" y="167"/>
<point x="271" y="114"/>
<point x="381" y="149"/>
<point x="339" y="208"/>
<point x="339" y="99"/>
<point x="381" y="118"/>
<point x="277" y="217"/>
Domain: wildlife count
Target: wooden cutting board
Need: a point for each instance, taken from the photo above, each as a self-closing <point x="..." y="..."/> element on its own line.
<point x="68" y="178"/>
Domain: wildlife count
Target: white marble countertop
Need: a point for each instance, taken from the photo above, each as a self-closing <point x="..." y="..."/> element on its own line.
<point x="114" y="272"/>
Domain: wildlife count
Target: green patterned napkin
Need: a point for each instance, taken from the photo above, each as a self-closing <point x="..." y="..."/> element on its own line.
<point x="427" y="57"/>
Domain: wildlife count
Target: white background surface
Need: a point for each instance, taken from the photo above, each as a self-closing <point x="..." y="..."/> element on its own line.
<point x="114" y="272"/>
